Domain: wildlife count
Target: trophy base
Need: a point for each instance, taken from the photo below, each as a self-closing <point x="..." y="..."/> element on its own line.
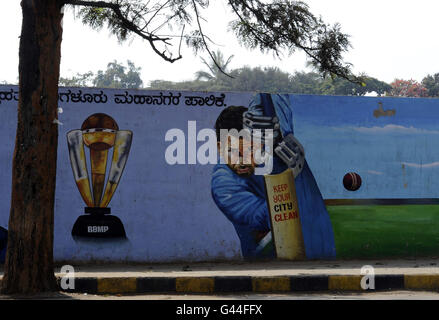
<point x="98" y="226"/>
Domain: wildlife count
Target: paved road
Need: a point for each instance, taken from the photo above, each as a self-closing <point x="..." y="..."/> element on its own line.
<point x="268" y="268"/>
<point x="393" y="295"/>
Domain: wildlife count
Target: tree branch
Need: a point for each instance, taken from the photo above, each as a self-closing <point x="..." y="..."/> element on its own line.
<point x="95" y="4"/>
<point x="129" y="25"/>
<point x="273" y="43"/>
<point x="254" y="32"/>
<point x="204" y="41"/>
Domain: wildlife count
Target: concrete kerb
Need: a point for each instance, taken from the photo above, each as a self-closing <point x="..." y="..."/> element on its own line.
<point x="245" y="284"/>
<point x="267" y="277"/>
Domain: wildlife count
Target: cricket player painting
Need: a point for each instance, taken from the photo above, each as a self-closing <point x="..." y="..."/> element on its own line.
<point x="241" y="194"/>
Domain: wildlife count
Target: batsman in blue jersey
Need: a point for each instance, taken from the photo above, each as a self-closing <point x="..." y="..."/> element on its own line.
<point x="240" y="194"/>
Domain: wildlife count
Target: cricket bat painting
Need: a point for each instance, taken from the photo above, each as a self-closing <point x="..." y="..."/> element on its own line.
<point x="284" y="215"/>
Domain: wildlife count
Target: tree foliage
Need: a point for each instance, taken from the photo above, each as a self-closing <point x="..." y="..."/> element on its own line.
<point x="278" y="26"/>
<point x="268" y="79"/>
<point x="78" y="80"/>
<point x="272" y="79"/>
<point x="431" y="83"/>
<point x="340" y="86"/>
<point x="306" y="83"/>
<point x="408" y="88"/>
<point x="217" y="69"/>
<point x="289" y="25"/>
<point x="115" y="76"/>
<point x="118" y="76"/>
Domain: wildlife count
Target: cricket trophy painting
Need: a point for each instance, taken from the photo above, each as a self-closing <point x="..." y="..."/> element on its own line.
<point x="99" y="133"/>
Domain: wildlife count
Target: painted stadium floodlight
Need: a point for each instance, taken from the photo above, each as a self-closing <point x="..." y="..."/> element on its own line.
<point x="100" y="133"/>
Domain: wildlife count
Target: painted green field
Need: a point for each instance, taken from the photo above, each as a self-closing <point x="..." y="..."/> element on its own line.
<point x="385" y="231"/>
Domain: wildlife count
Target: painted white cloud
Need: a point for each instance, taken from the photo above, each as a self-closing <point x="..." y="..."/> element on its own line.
<point x="390" y="128"/>
<point x="377" y="173"/>
<point x="393" y="128"/>
<point x="421" y="165"/>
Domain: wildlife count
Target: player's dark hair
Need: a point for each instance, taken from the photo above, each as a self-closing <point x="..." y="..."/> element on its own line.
<point x="230" y="118"/>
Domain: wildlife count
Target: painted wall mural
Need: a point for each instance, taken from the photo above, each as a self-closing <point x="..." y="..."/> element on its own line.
<point x="299" y="223"/>
<point x="332" y="177"/>
<point x="100" y="133"/>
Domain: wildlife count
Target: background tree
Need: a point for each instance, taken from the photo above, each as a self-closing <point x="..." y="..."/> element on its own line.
<point x="268" y="79"/>
<point x="78" y="80"/>
<point x="193" y="85"/>
<point x="407" y="88"/>
<point x="306" y="83"/>
<point x="217" y="67"/>
<point x="340" y="86"/>
<point x="115" y="76"/>
<point x="431" y="83"/>
<point x="277" y="26"/>
<point x="119" y="76"/>
<point x="375" y="85"/>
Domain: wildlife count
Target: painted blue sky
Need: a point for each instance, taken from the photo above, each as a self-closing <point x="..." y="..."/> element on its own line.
<point x="397" y="156"/>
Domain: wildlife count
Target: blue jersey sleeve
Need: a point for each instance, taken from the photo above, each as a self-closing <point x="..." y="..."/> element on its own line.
<point x="238" y="203"/>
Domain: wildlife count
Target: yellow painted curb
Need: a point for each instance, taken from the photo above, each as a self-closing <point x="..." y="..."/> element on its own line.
<point x="195" y="285"/>
<point x="271" y="284"/>
<point x="421" y="281"/>
<point x="117" y="285"/>
<point x="345" y="283"/>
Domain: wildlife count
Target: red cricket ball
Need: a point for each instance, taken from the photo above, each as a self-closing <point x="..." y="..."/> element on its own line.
<point x="352" y="181"/>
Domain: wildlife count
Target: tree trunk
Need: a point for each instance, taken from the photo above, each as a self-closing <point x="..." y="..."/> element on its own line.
<point x="29" y="258"/>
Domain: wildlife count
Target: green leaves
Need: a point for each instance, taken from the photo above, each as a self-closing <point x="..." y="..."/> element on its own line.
<point x="287" y="26"/>
<point x="115" y="76"/>
<point x="95" y="17"/>
<point x="431" y="83"/>
<point x="216" y="68"/>
<point x="278" y="26"/>
<point x="273" y="80"/>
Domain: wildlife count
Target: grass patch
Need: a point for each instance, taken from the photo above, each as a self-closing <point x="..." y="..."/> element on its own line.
<point x="385" y="231"/>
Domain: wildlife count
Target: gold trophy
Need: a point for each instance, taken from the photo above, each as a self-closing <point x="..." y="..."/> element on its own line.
<point x="100" y="133"/>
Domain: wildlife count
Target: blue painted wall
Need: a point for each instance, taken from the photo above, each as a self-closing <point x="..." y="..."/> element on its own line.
<point x="168" y="211"/>
<point x="396" y="156"/>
